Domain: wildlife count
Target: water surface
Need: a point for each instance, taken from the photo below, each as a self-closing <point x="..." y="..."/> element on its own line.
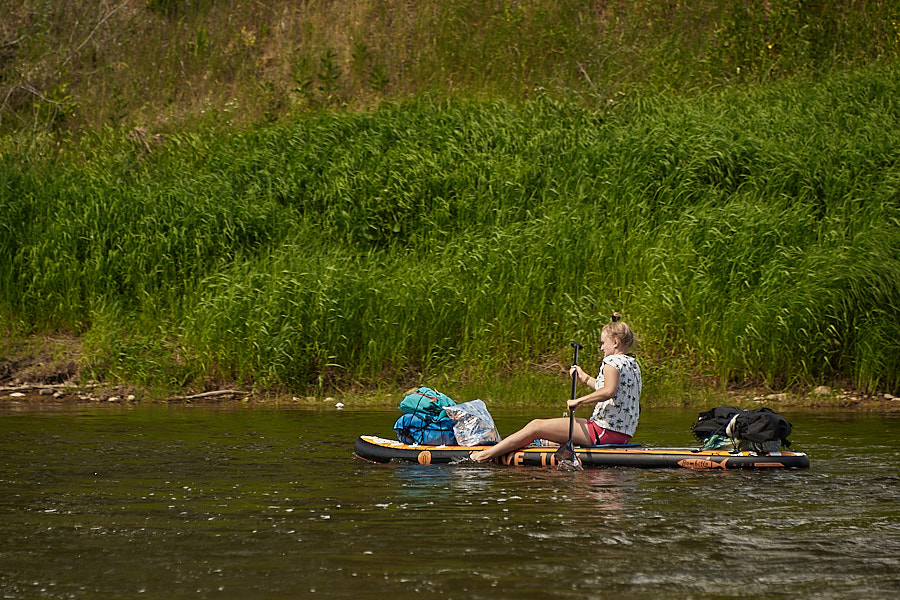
<point x="205" y="502"/>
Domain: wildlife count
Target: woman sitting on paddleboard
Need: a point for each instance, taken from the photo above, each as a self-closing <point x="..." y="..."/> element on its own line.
<point x="616" y="396"/>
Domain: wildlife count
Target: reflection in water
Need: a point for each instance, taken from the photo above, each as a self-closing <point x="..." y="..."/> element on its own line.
<point x="195" y="503"/>
<point x="427" y="483"/>
<point x="607" y="486"/>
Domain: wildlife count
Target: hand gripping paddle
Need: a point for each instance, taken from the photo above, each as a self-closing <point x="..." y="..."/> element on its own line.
<point x="565" y="456"/>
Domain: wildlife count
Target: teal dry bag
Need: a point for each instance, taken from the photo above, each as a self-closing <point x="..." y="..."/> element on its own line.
<point x="424" y="420"/>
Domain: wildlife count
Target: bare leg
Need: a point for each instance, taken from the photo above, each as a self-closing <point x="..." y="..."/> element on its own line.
<point x="555" y="430"/>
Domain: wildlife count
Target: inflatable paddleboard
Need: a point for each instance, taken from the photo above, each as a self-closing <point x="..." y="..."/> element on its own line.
<point x="380" y="450"/>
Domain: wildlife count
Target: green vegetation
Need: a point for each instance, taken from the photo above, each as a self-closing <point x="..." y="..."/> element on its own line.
<point x="480" y="213"/>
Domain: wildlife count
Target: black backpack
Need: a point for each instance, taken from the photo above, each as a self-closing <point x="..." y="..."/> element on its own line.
<point x="759" y="425"/>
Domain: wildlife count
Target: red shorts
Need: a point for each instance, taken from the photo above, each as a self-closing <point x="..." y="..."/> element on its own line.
<point x="606" y="436"/>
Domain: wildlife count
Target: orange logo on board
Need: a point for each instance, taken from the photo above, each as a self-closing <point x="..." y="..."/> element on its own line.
<point x="424" y="457"/>
<point x="700" y="463"/>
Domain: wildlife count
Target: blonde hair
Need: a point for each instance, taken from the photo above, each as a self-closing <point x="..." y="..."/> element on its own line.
<point x="620" y="330"/>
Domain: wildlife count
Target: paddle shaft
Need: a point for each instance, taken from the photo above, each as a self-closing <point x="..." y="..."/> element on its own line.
<point x="577" y="347"/>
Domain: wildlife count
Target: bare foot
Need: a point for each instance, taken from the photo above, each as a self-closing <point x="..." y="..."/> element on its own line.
<point x="478" y="456"/>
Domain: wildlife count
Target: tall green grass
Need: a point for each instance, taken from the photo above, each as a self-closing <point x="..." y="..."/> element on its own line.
<point x="747" y="235"/>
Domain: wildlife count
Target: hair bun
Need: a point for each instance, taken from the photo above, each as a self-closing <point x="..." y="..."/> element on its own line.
<point x="616" y="316"/>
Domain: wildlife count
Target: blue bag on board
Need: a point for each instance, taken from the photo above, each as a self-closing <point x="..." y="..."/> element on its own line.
<point x="424" y="420"/>
<point x="418" y="428"/>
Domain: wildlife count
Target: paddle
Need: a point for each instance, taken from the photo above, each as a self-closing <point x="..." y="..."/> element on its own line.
<point x="565" y="456"/>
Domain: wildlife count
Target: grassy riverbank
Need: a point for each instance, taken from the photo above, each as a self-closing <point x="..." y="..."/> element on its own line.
<point x="737" y="201"/>
<point x="748" y="235"/>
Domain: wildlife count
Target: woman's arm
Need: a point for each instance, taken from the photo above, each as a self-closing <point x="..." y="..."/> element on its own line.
<point x="607" y="392"/>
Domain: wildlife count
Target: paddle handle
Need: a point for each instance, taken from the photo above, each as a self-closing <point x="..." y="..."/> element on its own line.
<point x="577" y="347"/>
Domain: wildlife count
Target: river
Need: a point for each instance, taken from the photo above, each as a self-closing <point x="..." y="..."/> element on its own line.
<point x="250" y="503"/>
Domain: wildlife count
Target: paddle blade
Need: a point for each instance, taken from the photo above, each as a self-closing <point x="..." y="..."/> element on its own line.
<point x="566" y="459"/>
<point x="565" y="456"/>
